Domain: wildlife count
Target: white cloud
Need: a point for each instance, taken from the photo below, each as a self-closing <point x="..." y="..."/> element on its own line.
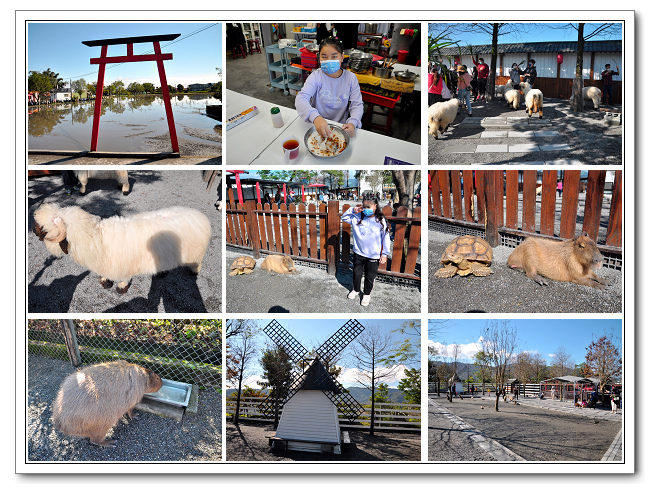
<point x="251" y="382"/>
<point x="351" y="376"/>
<point x="467" y="350"/>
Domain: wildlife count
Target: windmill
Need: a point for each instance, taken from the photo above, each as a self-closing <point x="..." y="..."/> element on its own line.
<point x="314" y="399"/>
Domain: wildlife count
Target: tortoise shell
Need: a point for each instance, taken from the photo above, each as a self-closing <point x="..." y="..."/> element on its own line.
<point x="243" y="262"/>
<point x="469" y="247"/>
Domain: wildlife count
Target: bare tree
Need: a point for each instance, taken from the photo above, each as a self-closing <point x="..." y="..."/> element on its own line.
<point x="241" y="351"/>
<point x="369" y="350"/>
<point x="500" y="343"/>
<point x="492" y="32"/>
<point x="562" y="363"/>
<point x="606" y="29"/>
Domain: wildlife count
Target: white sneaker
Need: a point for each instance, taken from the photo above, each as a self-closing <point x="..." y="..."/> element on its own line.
<point x="365" y="300"/>
<point x="353" y="294"/>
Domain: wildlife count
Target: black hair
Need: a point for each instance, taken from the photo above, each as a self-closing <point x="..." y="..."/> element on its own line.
<point x="379" y="215"/>
<point x="330" y="41"/>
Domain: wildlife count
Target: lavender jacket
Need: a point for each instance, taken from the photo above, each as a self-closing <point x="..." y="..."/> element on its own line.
<point x="371" y="239"/>
<point x="329" y="97"/>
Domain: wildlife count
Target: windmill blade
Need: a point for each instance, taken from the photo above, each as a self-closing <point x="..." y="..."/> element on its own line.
<point x="335" y="344"/>
<point x="267" y="407"/>
<point x="283" y="338"/>
<point x="344" y="402"/>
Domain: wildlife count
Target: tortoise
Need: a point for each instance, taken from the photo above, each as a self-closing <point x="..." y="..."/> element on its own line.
<point x="466" y="255"/>
<point x="242" y="265"/>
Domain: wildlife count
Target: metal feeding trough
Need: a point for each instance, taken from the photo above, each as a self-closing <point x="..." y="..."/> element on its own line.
<point x="172" y="392"/>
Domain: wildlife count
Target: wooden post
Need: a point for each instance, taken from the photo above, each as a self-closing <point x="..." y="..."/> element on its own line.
<point x="616" y="212"/>
<point x="252" y="227"/>
<point x="456" y="194"/>
<point x="549" y="189"/>
<point x="491" y="197"/>
<point x="529" y="202"/>
<point x="333" y="225"/>
<point x="70" y="335"/>
<point x="512" y="199"/>
<point x="570" y="191"/>
<point x="594" y="202"/>
<point x="468" y="194"/>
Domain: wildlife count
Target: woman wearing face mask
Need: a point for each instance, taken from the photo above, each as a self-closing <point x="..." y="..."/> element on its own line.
<point x="371" y="245"/>
<point x="331" y="92"/>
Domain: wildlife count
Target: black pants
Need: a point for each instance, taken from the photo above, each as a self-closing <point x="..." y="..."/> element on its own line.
<point x="482" y="84"/>
<point x="367" y="267"/>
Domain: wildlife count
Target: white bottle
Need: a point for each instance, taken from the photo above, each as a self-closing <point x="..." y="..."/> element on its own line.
<point x="276" y="117"/>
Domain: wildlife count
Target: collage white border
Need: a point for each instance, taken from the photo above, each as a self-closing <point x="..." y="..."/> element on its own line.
<point x="421" y="467"/>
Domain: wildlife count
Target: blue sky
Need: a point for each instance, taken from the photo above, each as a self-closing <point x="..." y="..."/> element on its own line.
<point x="58" y="46"/>
<point x="527" y="33"/>
<point x="311" y="333"/>
<point x="536" y="335"/>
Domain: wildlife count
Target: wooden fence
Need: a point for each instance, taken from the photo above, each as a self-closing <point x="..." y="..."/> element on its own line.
<point x="388" y="416"/>
<point x="489" y="202"/>
<point x="316" y="235"/>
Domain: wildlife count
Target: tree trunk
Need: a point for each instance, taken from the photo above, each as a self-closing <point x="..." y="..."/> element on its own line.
<point x="577" y="104"/>
<point x="235" y="419"/>
<point x="372" y="403"/>
<point x="405" y="185"/>
<point x="496" y="401"/>
<point x="489" y="91"/>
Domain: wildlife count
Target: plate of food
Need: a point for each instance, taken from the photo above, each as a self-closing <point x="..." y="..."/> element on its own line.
<point x="333" y="146"/>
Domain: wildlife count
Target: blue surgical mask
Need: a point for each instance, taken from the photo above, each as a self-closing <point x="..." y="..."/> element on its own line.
<point x="368" y="211"/>
<point x="330" y="66"/>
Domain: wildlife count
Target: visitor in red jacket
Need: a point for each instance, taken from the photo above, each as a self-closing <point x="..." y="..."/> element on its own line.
<point x="483" y="72"/>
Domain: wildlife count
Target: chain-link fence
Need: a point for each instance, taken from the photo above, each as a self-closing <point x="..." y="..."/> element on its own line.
<point x="184" y="350"/>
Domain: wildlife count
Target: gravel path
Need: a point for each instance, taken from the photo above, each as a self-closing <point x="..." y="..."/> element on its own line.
<point x="248" y="442"/>
<point x="146" y="438"/>
<point x="60" y="285"/>
<point x="311" y="290"/>
<point x="536" y="434"/>
<point x="507" y="290"/>
<point x="590" y="142"/>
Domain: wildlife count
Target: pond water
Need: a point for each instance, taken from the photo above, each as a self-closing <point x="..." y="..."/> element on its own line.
<point x="133" y="124"/>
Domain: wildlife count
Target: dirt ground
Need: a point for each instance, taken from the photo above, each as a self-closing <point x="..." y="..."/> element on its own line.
<point x="61" y="285"/>
<point x="591" y="142"/>
<point x="536" y="434"/>
<point x="146" y="438"/>
<point x="311" y="290"/>
<point x="507" y="290"/>
<point x="248" y="442"/>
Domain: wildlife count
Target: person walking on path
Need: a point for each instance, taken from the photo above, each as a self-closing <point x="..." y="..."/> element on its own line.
<point x="371" y="245"/>
<point x="464" y="88"/>
<point x="608" y="88"/>
<point x="483" y="73"/>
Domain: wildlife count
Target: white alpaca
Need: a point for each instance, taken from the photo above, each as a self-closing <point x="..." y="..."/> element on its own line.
<point x="513" y="97"/>
<point x="121" y="247"/>
<point x="122" y="177"/>
<point x="592" y="93"/>
<point x="503" y="89"/>
<point x="534" y="100"/>
<point x="441" y="115"/>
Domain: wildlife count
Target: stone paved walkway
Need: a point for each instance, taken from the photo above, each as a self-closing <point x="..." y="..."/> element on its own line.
<point x="499" y="135"/>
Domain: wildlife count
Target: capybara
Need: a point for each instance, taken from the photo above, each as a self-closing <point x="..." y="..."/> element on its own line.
<point x="569" y="260"/>
<point x="93" y="399"/>
<point x="279" y="264"/>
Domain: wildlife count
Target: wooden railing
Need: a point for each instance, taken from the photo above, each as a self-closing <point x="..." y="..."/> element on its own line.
<point x="388" y="416"/>
<point x="481" y="203"/>
<point x="317" y="234"/>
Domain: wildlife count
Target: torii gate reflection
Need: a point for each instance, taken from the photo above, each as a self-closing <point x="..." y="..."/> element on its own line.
<point x="158" y="57"/>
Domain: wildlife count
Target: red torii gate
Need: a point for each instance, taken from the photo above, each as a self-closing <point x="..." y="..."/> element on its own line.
<point x="158" y="57"/>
